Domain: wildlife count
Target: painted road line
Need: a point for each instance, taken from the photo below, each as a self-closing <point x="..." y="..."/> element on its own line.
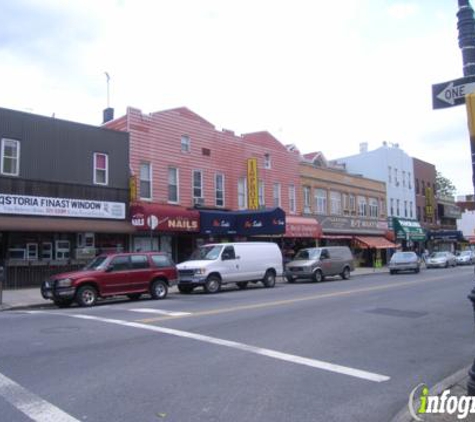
<point x="158" y="311"/>
<point x="30" y="404"/>
<point x="313" y="363"/>
<point x="285" y="302"/>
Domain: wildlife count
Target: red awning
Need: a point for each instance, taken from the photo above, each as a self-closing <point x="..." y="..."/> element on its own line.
<point x="165" y="218"/>
<point x="376" y="242"/>
<point x="302" y="227"/>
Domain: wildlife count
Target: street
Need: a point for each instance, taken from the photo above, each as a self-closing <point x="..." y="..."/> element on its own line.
<point x="335" y="351"/>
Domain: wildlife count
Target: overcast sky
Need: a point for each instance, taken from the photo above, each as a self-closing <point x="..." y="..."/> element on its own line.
<point x="323" y="75"/>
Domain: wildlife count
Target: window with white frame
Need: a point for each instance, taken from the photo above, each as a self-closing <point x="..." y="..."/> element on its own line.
<point x="409" y="183"/>
<point x="321" y="201"/>
<point x="185" y="143"/>
<point x="397" y="207"/>
<point x="292" y="205"/>
<point x="145" y="180"/>
<point x="352" y="204"/>
<point x="47" y="250"/>
<point x="306" y="199"/>
<point x="242" y="193"/>
<point x="373" y="207"/>
<point x="346" y="203"/>
<point x="362" y="206"/>
<point x="219" y="189"/>
<point x="335" y="203"/>
<point x="276" y="195"/>
<point x="390" y="177"/>
<point x="405" y="209"/>
<point x="62" y="249"/>
<point x="382" y="207"/>
<point x="267" y="161"/>
<point x="410" y="209"/>
<point x="10" y="157"/>
<point x="197" y="184"/>
<point x="173" y="184"/>
<point x="262" y="194"/>
<point x="32" y="251"/>
<point x="392" y="206"/>
<point x="101" y="168"/>
<point x="403" y="179"/>
<point x="396" y="181"/>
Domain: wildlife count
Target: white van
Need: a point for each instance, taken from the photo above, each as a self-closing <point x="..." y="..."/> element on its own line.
<point x="216" y="264"/>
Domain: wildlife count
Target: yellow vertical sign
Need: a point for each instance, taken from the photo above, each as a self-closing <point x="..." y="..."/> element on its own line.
<point x="252" y="184"/>
<point x="429" y="203"/>
<point x="133" y="188"/>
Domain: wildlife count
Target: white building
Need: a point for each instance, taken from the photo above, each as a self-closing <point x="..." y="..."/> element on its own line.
<point x="392" y="165"/>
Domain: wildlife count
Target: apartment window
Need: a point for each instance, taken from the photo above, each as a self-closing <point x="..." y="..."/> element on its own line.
<point x="373" y="207"/>
<point x="276" y="195"/>
<point x="219" y="189"/>
<point x="392" y="206"/>
<point x="396" y="181"/>
<point x="185" y="143"/>
<point x="352" y="204"/>
<point x="405" y="209"/>
<point x="321" y="201"/>
<point x="403" y="179"/>
<point x="410" y="210"/>
<point x="423" y="190"/>
<point x="197" y="184"/>
<point x="335" y="203"/>
<point x="306" y="199"/>
<point x="345" y="202"/>
<point x="242" y="193"/>
<point x="362" y="207"/>
<point x="267" y="161"/>
<point x="292" y="206"/>
<point x="390" y="179"/>
<point x="409" y="180"/>
<point x="262" y="194"/>
<point x="173" y="194"/>
<point x="101" y="168"/>
<point x="419" y="213"/>
<point x="397" y="207"/>
<point x="145" y="181"/>
<point x="62" y="249"/>
<point x="417" y="186"/>
<point x="10" y="157"/>
<point x="382" y="207"/>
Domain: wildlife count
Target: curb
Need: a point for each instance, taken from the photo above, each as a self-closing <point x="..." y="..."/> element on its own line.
<point x="404" y="416"/>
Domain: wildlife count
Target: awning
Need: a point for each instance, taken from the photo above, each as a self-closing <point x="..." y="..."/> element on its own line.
<point x="260" y="222"/>
<point x="217" y="222"/>
<point x="69" y="225"/>
<point x="336" y="236"/>
<point x="376" y="242"/>
<point x="408" y="229"/>
<point x="447" y="235"/>
<point x="164" y="218"/>
<point x="302" y="227"/>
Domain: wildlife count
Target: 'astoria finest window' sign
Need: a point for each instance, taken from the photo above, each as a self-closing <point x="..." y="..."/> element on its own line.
<point x="60" y="207"/>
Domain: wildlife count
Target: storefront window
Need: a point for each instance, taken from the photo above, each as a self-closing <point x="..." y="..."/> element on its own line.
<point x="335" y="203"/>
<point x="321" y="205"/>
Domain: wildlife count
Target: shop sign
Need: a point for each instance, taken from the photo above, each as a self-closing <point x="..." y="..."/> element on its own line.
<point x="164" y="223"/>
<point x="252" y="184"/>
<point x="351" y="224"/>
<point x="60" y="207"/>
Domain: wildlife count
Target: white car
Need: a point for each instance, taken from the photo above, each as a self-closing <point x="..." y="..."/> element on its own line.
<point x="441" y="260"/>
<point x="465" y="257"/>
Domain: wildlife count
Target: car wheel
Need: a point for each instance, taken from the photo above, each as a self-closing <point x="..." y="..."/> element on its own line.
<point x="317" y="276"/>
<point x="185" y="289"/>
<point x="134" y="296"/>
<point x="417" y="270"/>
<point x="86" y="296"/>
<point x="213" y="284"/>
<point x="345" y="275"/>
<point x="242" y="285"/>
<point x="158" y="289"/>
<point x="290" y="279"/>
<point x="447" y="264"/>
<point x="269" y="279"/>
<point x="392" y="272"/>
<point x="63" y="303"/>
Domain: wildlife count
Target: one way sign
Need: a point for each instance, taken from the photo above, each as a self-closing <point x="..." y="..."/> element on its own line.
<point x="452" y="93"/>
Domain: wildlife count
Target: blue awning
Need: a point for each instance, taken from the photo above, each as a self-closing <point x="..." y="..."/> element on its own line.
<point x="217" y="222"/>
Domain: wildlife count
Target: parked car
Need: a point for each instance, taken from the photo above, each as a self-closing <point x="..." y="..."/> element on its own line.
<point x="130" y="274"/>
<point x="404" y="261"/>
<point x="465" y="257"/>
<point x="441" y="260"/>
<point x="214" y="265"/>
<point x="317" y="263"/>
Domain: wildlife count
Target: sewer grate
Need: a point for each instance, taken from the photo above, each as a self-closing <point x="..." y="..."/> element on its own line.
<point x="397" y="312"/>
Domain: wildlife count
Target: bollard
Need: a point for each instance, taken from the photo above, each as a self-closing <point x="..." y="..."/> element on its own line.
<point x="471" y="372"/>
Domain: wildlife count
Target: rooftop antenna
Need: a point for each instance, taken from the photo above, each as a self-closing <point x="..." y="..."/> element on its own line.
<point x="108" y="97"/>
<point x="108" y="113"/>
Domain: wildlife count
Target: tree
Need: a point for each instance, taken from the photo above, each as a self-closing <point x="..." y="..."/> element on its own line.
<point x="444" y="186"/>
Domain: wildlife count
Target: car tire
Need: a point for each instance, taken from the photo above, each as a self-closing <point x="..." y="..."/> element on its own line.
<point x="213" y="284"/>
<point x="63" y="303"/>
<point x="185" y="289"/>
<point x="417" y="270"/>
<point x="290" y="279"/>
<point x="86" y="296"/>
<point x="134" y="296"/>
<point x="392" y="272"/>
<point x="447" y="264"/>
<point x="242" y="285"/>
<point x="317" y="276"/>
<point x="345" y="275"/>
<point x="158" y="289"/>
<point x="269" y="279"/>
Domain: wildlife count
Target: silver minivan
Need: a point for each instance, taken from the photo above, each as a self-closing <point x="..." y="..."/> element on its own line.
<point x="317" y="263"/>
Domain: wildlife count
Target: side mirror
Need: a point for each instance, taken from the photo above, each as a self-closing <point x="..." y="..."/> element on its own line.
<point x="109" y="268"/>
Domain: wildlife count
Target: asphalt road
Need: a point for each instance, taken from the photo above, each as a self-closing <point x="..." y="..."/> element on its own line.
<point x="335" y="351"/>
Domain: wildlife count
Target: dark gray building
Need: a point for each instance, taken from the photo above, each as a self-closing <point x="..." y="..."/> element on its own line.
<point x="64" y="194"/>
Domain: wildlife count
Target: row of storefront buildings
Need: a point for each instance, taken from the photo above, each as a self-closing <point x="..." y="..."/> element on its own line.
<point x="171" y="181"/>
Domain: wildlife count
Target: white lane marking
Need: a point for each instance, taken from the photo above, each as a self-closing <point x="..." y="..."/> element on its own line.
<point x="158" y="311"/>
<point x="30" y="404"/>
<point x="313" y="363"/>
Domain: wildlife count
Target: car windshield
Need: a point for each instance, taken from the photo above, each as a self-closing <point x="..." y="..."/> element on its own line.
<point x="438" y="254"/>
<point x="465" y="253"/>
<point x="305" y="254"/>
<point x="96" y="264"/>
<point x="399" y="256"/>
<point x="207" y="252"/>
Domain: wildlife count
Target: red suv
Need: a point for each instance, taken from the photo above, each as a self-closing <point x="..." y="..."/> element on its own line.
<point x="130" y="274"/>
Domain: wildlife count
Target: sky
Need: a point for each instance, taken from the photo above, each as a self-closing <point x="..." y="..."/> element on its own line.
<point x="322" y="75"/>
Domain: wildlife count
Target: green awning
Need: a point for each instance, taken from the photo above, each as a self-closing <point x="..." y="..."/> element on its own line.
<point x="408" y="229"/>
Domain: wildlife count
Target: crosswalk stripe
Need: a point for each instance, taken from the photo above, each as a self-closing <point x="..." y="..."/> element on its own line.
<point x="158" y="311"/>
